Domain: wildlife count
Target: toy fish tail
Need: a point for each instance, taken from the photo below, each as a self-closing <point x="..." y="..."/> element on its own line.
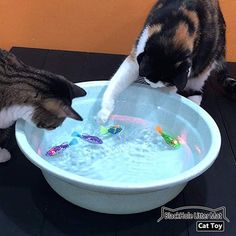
<point x="159" y="129"/>
<point x="74" y="141"/>
<point x="76" y="134"/>
<point x="103" y="130"/>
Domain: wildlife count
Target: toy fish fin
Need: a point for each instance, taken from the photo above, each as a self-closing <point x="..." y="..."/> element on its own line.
<point x="76" y="134"/>
<point x="103" y="130"/>
<point x="74" y="141"/>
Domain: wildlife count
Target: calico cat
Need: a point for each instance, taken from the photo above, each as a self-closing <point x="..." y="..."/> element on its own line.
<point x="34" y="95"/>
<point x="181" y="43"/>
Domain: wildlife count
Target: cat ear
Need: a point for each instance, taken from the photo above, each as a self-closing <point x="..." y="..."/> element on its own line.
<point x="140" y="58"/>
<point x="181" y="79"/>
<point x="77" y="91"/>
<point x="60" y="109"/>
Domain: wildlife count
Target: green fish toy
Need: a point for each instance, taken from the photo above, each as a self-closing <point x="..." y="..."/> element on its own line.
<point x="115" y="129"/>
<point x="173" y="142"/>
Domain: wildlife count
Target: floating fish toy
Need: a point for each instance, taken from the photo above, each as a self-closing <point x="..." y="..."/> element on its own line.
<point x="60" y="148"/>
<point x="88" y="138"/>
<point x="115" y="129"/>
<point x="173" y="142"/>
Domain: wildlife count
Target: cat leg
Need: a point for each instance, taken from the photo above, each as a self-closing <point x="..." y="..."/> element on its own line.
<point x="4" y="155"/>
<point x="227" y="83"/>
<point x="125" y="76"/>
<point x="4" y="139"/>
<point x="197" y="83"/>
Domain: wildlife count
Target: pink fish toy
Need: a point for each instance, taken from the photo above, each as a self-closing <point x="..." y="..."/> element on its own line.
<point x="60" y="148"/>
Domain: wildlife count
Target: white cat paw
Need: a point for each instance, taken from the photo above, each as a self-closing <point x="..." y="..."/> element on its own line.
<point x="103" y="115"/>
<point x="4" y="155"/>
<point x="196" y="98"/>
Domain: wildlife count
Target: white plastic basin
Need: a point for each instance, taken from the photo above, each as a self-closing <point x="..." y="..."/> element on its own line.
<point x="128" y="197"/>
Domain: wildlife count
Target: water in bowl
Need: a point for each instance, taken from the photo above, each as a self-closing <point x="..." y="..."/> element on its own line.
<point x="138" y="154"/>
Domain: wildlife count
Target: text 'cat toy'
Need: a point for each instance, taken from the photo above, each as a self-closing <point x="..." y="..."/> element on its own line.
<point x="173" y="142"/>
<point x="60" y="148"/>
<point x="115" y="129"/>
<point x="88" y="138"/>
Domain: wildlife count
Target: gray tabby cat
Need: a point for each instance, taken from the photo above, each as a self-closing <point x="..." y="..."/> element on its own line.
<point x="34" y="95"/>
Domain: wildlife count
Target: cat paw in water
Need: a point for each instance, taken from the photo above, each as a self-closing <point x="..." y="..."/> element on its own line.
<point x="106" y="110"/>
<point x="103" y="115"/>
<point x="4" y="155"/>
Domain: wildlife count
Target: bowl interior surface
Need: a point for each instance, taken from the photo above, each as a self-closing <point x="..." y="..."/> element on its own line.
<point x="137" y="157"/>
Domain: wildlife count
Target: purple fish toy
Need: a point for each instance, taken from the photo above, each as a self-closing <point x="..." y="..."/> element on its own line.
<point x="88" y="138"/>
<point x="60" y="148"/>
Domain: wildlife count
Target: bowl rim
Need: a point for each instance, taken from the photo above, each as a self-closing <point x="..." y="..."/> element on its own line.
<point x="102" y="185"/>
